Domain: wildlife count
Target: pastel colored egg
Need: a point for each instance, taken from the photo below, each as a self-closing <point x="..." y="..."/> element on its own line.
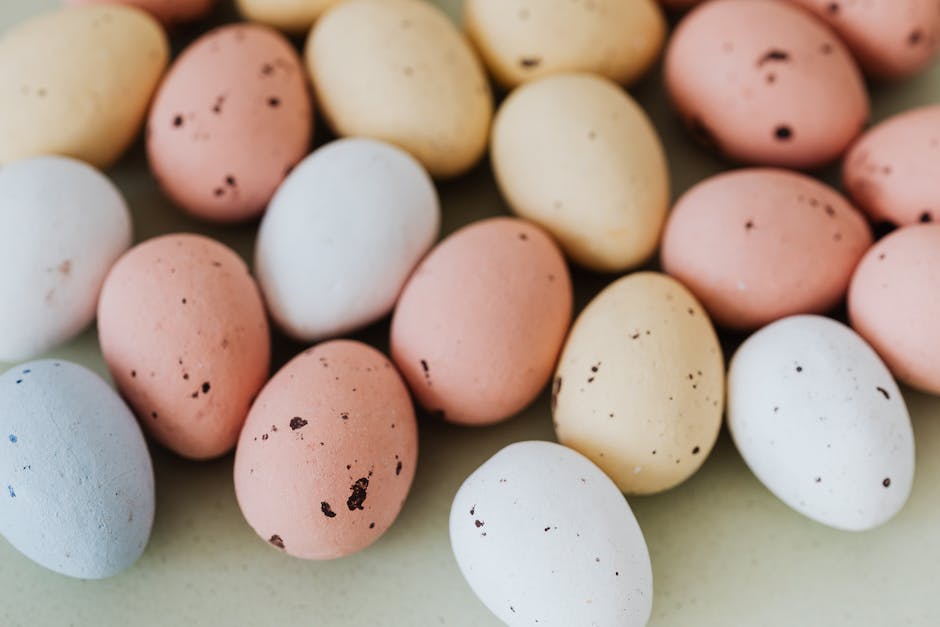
<point x="342" y="235"/>
<point x="579" y="157"/>
<point x="755" y="245"/>
<point x="62" y="227"/>
<point x="478" y="327"/>
<point x="183" y="331"/>
<point x="400" y="71"/>
<point x="76" y="481"/>
<point x="328" y="452"/>
<point x="821" y="423"/>
<point x="170" y="12"/>
<point x="292" y="16"/>
<point x="639" y="388"/>
<point x="765" y="83"/>
<point x="231" y="119"/>
<point x="77" y="82"/>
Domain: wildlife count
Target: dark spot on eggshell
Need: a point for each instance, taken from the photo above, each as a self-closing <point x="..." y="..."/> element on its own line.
<point x="530" y="62"/>
<point x="887" y="482"/>
<point x="523" y="236"/>
<point x="372" y="525"/>
<point x="133" y="374"/>
<point x="358" y="495"/>
<point x="479" y="523"/>
<point x="218" y="191"/>
<point x="915" y="37"/>
<point x="884" y="392"/>
<point x="297" y="423"/>
<point x="774" y="55"/>
<point x="799" y="368"/>
<point x="344" y="415"/>
<point x="177" y="121"/>
<point x="327" y="510"/>
<point x="276" y="541"/>
<point x="926" y="217"/>
<point x="230" y="180"/>
<point x="153" y="415"/>
<point x="826" y="48"/>
<point x="749" y="225"/>
<point x="206" y="387"/>
<point x="274" y="102"/>
<point x="556" y="390"/>
<point x="267" y="69"/>
<point x="398" y="469"/>
<point x="695" y="451"/>
<point x="818" y="479"/>
<point x="473" y="510"/>
<point x="832" y="8"/>
<point x="783" y="133"/>
<point x="264" y="436"/>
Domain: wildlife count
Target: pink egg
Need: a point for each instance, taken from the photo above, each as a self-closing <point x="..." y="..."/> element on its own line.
<point x="757" y="245"/>
<point x="479" y="325"/>
<point x="169" y="12"/>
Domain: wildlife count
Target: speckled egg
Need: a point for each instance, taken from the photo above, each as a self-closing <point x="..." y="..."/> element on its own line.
<point x="765" y="83"/>
<point x="292" y="16"/>
<point x="478" y="327"/>
<point x="401" y="72"/>
<point x="170" y="12"/>
<point x="755" y="245"/>
<point x="639" y="388"/>
<point x="821" y="423"/>
<point x="544" y="537"/>
<point x="328" y="452"/>
<point x="76" y="481"/>
<point x="77" y="82"/>
<point x="182" y="328"/>
<point x="576" y="155"/>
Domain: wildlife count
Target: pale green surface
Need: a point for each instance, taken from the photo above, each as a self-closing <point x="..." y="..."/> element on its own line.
<point x="725" y="552"/>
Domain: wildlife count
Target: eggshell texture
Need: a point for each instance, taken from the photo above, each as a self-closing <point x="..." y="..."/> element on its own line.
<point x="543" y="536"/>
<point x="765" y="83"/>
<point x="77" y="82"/>
<point x="893" y="169"/>
<point x="62" y="226"/>
<point x="342" y="235"/>
<point x="400" y="71"/>
<point x="894" y="303"/>
<point x="77" y="492"/>
<point x="520" y="40"/>
<point x="183" y="330"/>
<point x="478" y="327"/>
<point x="755" y="245"/>
<point x="640" y="384"/>
<point x="293" y="16"/>
<point x="170" y="12"/>
<point x="328" y="452"/>
<point x="576" y="155"/>
<point x="819" y="420"/>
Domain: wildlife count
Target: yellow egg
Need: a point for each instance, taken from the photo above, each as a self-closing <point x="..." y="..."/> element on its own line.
<point x="292" y="16"/>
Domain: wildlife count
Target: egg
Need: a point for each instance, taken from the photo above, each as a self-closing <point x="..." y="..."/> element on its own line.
<point x="892" y="170"/>
<point x="817" y="417"/>
<point x="77" y="82"/>
<point x="576" y="155"/>
<point x="765" y="83"/>
<point x="77" y="493"/>
<point x="63" y="224"/>
<point x="521" y="40"/>
<point x="183" y="331"/>
<point x="544" y="537"/>
<point x="342" y="235"/>
<point x="758" y="244"/>
<point x="479" y="325"/>
<point x="894" y="303"/>
<point x="400" y="71"/>
<point x="170" y="12"/>
<point x="293" y="16"/>
<point x="328" y="452"/>
<point x="639" y="387"/>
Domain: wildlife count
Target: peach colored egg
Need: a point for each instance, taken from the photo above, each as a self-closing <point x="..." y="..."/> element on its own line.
<point x="480" y="323"/>
<point x="759" y="244"/>
<point x="894" y="303"/>
<point x="183" y="331"/>
<point x="169" y="12"/>
<point x="328" y="452"/>
<point x="892" y="171"/>
<point x="230" y="120"/>
<point x="765" y="83"/>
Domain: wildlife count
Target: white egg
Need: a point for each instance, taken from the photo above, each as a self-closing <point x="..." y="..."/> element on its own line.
<point x="341" y="236"/>
<point x="76" y="480"/>
<point x="821" y="422"/>
<point x="544" y="537"/>
<point x="62" y="227"/>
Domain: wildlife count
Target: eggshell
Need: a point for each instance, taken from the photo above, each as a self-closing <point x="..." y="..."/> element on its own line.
<point x="170" y="12"/>
<point x="893" y="169"/>
<point x="77" y="492"/>
<point x="639" y="388"/>
<point x="77" y="82"/>
<point x="293" y="16"/>
<point x="62" y="227"/>
<point x="401" y="72"/>
<point x="520" y="40"/>
<point x="544" y="537"/>
<point x="894" y="303"/>
<point x="328" y="452"/>
<point x="765" y="83"/>
<point x="478" y="327"/>
<point x="576" y="155"/>
<point x="183" y="330"/>
<point x="819" y="420"/>
<point x="342" y="235"/>
<point x="755" y="245"/>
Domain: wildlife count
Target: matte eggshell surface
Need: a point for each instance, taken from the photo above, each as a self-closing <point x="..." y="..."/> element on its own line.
<point x="544" y="537"/>
<point x="293" y="16"/>
<point x="328" y="452"/>
<point x="170" y="12"/>
<point x="183" y="330"/>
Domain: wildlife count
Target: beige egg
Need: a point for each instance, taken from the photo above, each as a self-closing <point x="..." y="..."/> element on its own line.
<point x="640" y="385"/>
<point x="292" y="16"/>
<point x="77" y="82"/>
<point x="576" y="155"/>
<point x="400" y="71"/>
